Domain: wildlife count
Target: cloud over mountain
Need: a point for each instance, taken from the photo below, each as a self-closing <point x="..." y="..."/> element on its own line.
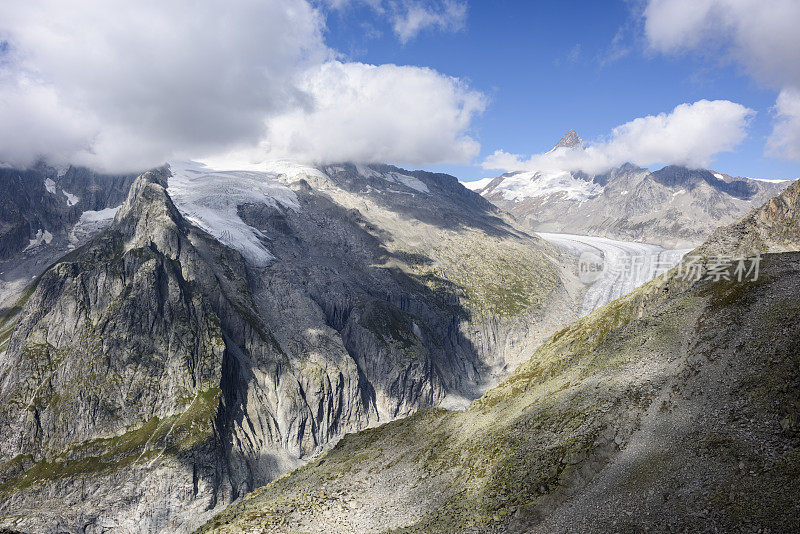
<point x="374" y="113"/>
<point x="690" y="135"/>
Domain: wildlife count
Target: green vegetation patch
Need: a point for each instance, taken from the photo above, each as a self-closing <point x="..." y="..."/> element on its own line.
<point x="171" y="436"/>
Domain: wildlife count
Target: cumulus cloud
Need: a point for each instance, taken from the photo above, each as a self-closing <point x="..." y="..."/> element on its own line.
<point x="690" y="135"/>
<point x="372" y="113"/>
<point x="122" y="85"/>
<point x="151" y="76"/>
<point x="761" y="36"/>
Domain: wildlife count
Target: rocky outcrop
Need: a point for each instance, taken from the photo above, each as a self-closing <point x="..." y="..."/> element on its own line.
<point x="154" y="375"/>
<point x="773" y="227"/>
<point x="140" y="361"/>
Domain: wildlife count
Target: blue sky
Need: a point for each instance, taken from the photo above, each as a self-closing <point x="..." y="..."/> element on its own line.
<point x="550" y="66"/>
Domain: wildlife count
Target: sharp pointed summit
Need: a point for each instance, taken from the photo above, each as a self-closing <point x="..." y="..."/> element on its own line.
<point x="570" y="140"/>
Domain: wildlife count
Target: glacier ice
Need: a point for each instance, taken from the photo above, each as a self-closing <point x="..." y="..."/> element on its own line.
<point x="210" y="199"/>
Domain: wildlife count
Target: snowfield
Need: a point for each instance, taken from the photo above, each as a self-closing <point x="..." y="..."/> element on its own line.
<point x="477" y="184"/>
<point x="628" y="265"/>
<point x="524" y="185"/>
<point x="210" y="199"/>
<point x="90" y="223"/>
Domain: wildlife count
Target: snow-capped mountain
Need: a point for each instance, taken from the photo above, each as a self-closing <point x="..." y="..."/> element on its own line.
<point x="674" y="207"/>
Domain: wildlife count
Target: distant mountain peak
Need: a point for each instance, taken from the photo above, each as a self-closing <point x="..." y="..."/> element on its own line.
<point x="570" y="140"/>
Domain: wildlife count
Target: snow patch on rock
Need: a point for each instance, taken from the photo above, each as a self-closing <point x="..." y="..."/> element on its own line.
<point x="71" y="199"/>
<point x="50" y="185"/>
<point x="394" y="177"/>
<point x="42" y="236"/>
<point x="408" y="181"/>
<point x="90" y="223"/>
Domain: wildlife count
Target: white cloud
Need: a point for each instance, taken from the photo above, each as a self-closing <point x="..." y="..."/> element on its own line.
<point x="33" y="122"/>
<point x="785" y="138"/>
<point x="761" y="36"/>
<point x="369" y="113"/>
<point x="413" y="17"/>
<point x="121" y="85"/>
<point x="690" y="135"/>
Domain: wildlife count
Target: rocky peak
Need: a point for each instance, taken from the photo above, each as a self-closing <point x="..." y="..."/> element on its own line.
<point x="570" y="140"/>
<point x="148" y="215"/>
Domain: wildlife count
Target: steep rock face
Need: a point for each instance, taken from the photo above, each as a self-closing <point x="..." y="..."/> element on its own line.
<point x="140" y="360"/>
<point x="114" y="362"/>
<point x="41" y="200"/>
<point x="774" y="227"/>
<point x="673" y="408"/>
<point x="44" y="213"/>
<point x="497" y="289"/>
<point x="159" y="362"/>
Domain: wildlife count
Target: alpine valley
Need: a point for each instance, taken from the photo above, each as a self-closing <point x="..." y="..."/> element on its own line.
<point x="213" y="330"/>
<point x="361" y="348"/>
<point x="672" y="409"/>
<point x="246" y="286"/>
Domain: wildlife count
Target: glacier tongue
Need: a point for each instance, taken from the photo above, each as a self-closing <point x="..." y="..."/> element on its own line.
<point x="210" y="199"/>
<point x="627" y="264"/>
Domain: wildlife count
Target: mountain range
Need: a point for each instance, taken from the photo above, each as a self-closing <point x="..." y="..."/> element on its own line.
<point x="675" y="207"/>
<point x="359" y="348"/>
